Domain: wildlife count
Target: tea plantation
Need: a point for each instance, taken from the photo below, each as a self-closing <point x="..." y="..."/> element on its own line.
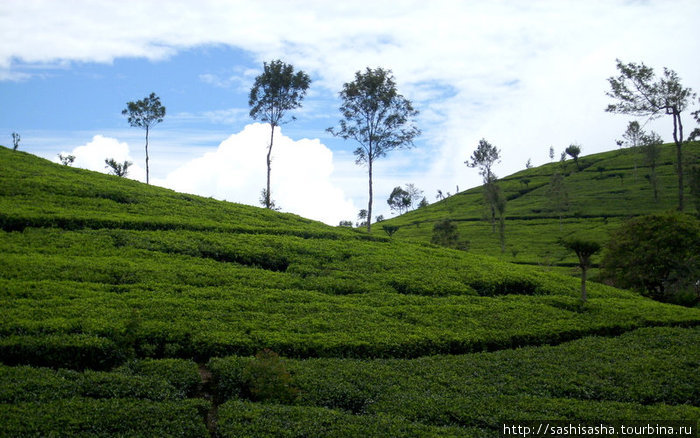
<point x="132" y="310"/>
<point x="609" y="188"/>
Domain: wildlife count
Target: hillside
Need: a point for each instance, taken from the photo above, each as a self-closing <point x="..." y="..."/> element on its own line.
<point x="133" y="310"/>
<point x="609" y="188"/>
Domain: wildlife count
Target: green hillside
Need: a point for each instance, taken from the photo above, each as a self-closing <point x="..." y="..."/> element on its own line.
<point x="132" y="310"/>
<point x="609" y="188"/>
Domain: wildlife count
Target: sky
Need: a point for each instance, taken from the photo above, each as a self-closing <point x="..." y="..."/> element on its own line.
<point x="523" y="74"/>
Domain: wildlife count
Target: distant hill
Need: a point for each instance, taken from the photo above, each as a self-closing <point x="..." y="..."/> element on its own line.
<point x="610" y="188"/>
<point x="133" y="310"/>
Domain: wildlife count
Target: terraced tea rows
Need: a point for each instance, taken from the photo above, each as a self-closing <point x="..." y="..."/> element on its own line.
<point x="118" y="299"/>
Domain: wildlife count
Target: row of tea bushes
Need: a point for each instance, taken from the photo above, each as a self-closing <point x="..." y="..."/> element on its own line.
<point x="333" y="266"/>
<point x="626" y="377"/>
<point x="111" y="417"/>
<point x="165" y="379"/>
<point x="90" y="325"/>
<point x="242" y="419"/>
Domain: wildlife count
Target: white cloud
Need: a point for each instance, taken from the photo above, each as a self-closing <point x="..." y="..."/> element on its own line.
<point x="92" y="156"/>
<point x="524" y="75"/>
<point x="236" y="171"/>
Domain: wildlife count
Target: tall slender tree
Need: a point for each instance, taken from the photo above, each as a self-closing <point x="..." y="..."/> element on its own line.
<point x="639" y="93"/>
<point x="145" y="113"/>
<point x="574" y="151"/>
<point x="377" y="117"/>
<point x="278" y="90"/>
<point x="484" y="157"/>
<point x="584" y="250"/>
<point x="651" y="148"/>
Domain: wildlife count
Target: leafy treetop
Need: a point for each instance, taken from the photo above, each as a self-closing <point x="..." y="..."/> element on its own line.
<point x="484" y="157"/>
<point x="145" y="113"/>
<point x="277" y="90"/>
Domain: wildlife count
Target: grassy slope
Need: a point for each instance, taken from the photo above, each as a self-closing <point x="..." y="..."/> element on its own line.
<point x="599" y="201"/>
<point x="96" y="270"/>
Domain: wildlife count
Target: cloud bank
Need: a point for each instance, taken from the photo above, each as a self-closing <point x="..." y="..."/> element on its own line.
<point x="524" y="75"/>
<point x="236" y="171"/>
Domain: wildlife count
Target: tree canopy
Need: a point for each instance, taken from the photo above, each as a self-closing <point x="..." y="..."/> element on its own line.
<point x="377" y="117"/>
<point x="276" y="91"/>
<point x="584" y="250"/>
<point x="658" y="255"/>
<point x="116" y="168"/>
<point x="484" y="157"/>
<point x="574" y="150"/>
<point x="638" y="92"/>
<point x="145" y="113"/>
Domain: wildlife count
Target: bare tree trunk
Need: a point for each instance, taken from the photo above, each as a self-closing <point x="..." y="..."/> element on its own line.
<point x="678" y="139"/>
<point x="269" y="161"/>
<point x="584" y="297"/>
<point x="369" y="205"/>
<point x="147" y="154"/>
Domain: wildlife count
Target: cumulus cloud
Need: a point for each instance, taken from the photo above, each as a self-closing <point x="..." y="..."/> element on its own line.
<point x="301" y="177"/>
<point x="92" y="156"/>
<point x="525" y="75"/>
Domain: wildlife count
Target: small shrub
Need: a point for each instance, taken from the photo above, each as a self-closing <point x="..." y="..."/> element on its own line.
<point x="267" y="379"/>
<point x="658" y="255"/>
<point x="445" y="234"/>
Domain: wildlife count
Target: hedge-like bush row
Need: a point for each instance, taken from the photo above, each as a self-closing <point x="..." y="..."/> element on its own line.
<point x="588" y="379"/>
<point x="85" y="417"/>
<point x="219" y="259"/>
<point x="26" y="384"/>
<point x="61" y="350"/>
<point x="253" y="420"/>
<point x="83" y="325"/>
<point x="183" y="375"/>
<point x="164" y="379"/>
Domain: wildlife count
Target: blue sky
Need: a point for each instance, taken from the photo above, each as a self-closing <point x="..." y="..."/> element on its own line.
<point x="525" y="75"/>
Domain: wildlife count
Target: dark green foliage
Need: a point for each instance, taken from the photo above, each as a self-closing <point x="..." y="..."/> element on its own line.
<point x="656" y="255"/>
<point x="445" y="234"/>
<point x="276" y="91"/>
<point x="265" y="378"/>
<point x="695" y="187"/>
<point x="15" y="141"/>
<point x="182" y="374"/>
<point x="587" y="379"/>
<point x="84" y="417"/>
<point x="399" y="200"/>
<point x="248" y="420"/>
<point x="25" y="384"/>
<point x="651" y="148"/>
<point x="574" y="151"/>
<point x="144" y="113"/>
<point x="66" y="160"/>
<point x="118" y="169"/>
<point x="377" y="117"/>
<point x="584" y="250"/>
<point x="262" y="378"/>
<point x="484" y="157"/>
<point x="390" y="229"/>
<point x="78" y="351"/>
